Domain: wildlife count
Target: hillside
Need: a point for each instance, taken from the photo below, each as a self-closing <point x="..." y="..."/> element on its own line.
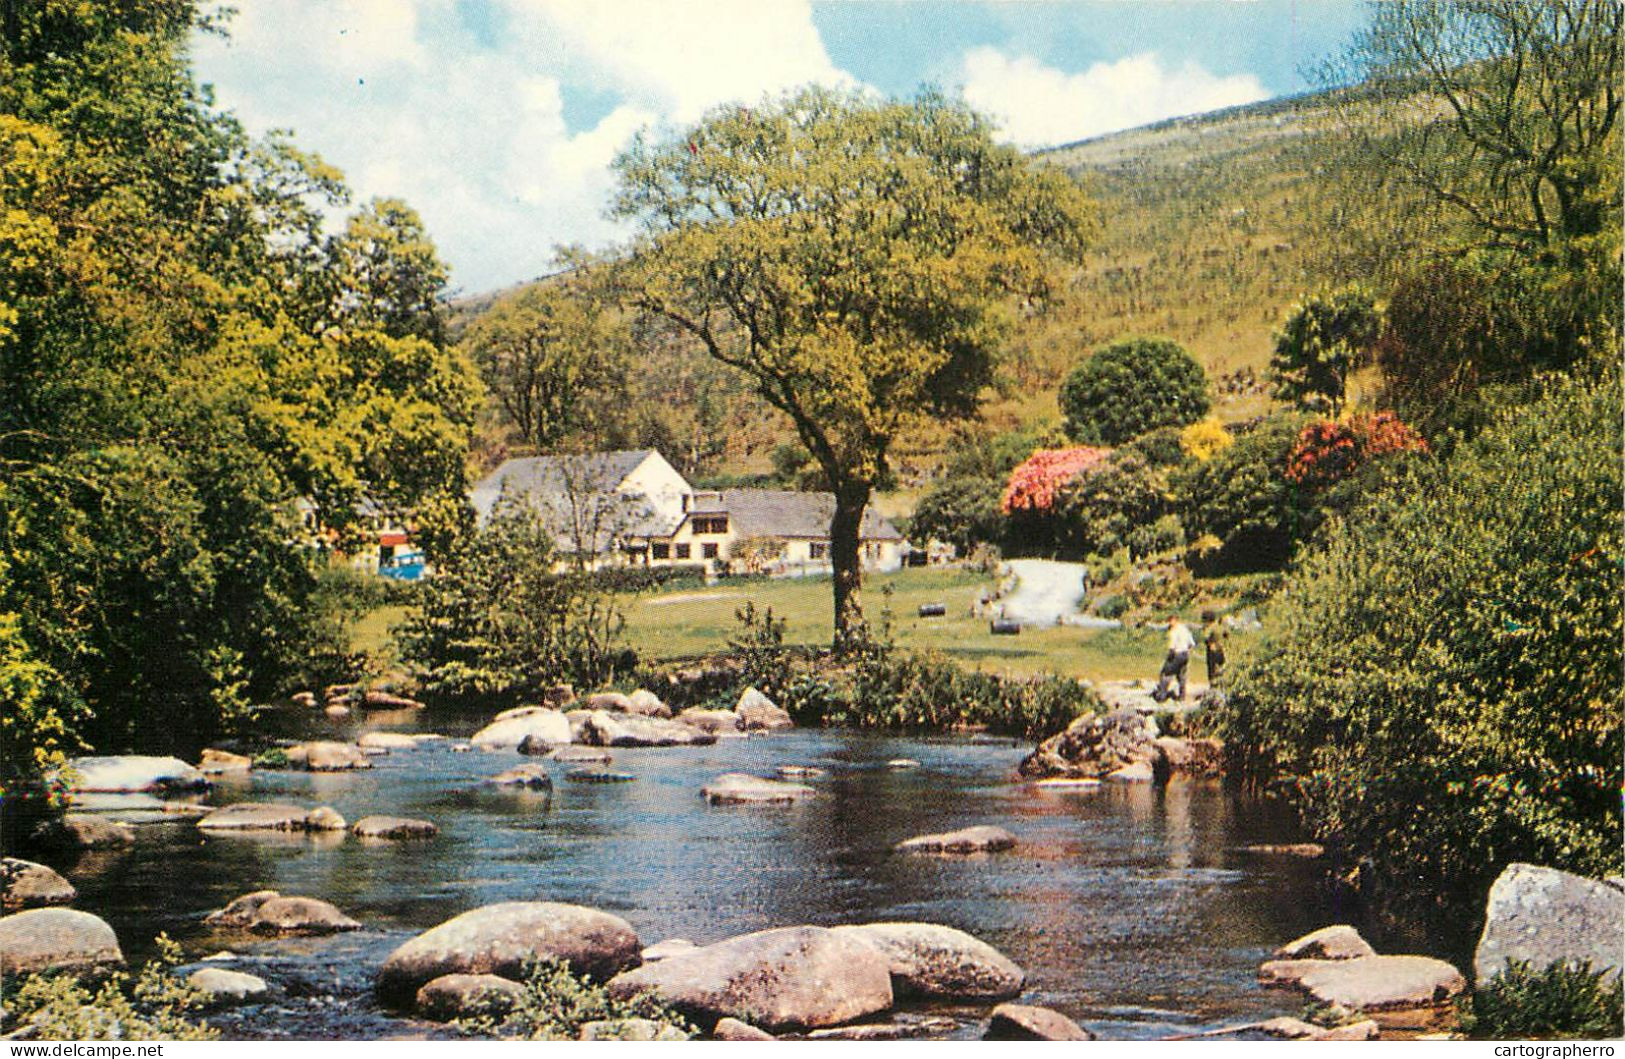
<point x="1212" y="227"/>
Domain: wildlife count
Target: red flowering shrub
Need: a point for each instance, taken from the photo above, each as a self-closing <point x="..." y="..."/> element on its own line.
<point x="1329" y="451"/>
<point x="1036" y="483"/>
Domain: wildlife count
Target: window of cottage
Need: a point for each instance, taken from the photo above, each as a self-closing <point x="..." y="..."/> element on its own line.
<point x="660" y="550"/>
<point x="683" y="551"/>
<point x="708" y="550"/>
<point x="818" y="550"/>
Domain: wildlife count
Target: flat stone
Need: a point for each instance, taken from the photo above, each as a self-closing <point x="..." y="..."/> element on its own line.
<point x="24" y="884"/>
<point x="256" y="816"/>
<point x="602" y="728"/>
<point x="866" y="1031"/>
<point x="132" y="772"/>
<point x="327" y="756"/>
<point x="800" y="772"/>
<point x="731" y="1029"/>
<point x="1339" y="942"/>
<point x="384" y="700"/>
<point x="324" y="818"/>
<point x="392" y="828"/>
<point x="227" y="988"/>
<point x="737" y="788"/>
<point x="1544" y="916"/>
<point x="902" y="763"/>
<point x="336" y="711"/>
<point x="1306" y="850"/>
<point x="647" y="703"/>
<point x="981" y="839"/>
<point x="582" y="755"/>
<point x="56" y="939"/>
<point x="461" y="996"/>
<point x="598" y="776"/>
<point x="1068" y="783"/>
<point x="613" y="701"/>
<point x="268" y="912"/>
<point x="930" y="960"/>
<point x="1138" y="772"/>
<point x="76" y="831"/>
<point x="1368" y="983"/>
<point x="539" y="728"/>
<point x="795" y="978"/>
<point x="669" y="947"/>
<point x="387" y="741"/>
<point x="1024" y="1022"/>
<point x="629" y="1030"/>
<point x="717" y="722"/>
<point x="214" y="762"/>
<point x="499" y="939"/>
<point x="1287" y="1028"/>
<point x="532" y="776"/>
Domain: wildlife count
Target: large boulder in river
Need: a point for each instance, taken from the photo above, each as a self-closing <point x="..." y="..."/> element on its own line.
<point x="647" y="703"/>
<point x="982" y="839"/>
<point x="738" y="788"/>
<point x="327" y="756"/>
<point x="621" y="729"/>
<point x="528" y="775"/>
<point x="78" y="831"/>
<point x="795" y="978"/>
<point x="717" y="722"/>
<point x="1368" y="983"/>
<point x="268" y="912"/>
<point x="462" y="996"/>
<point x="536" y="726"/>
<point x="928" y="960"/>
<point x="56" y="939"/>
<point x="24" y="884"/>
<point x="1096" y="745"/>
<point x="1544" y="916"/>
<point x="215" y="762"/>
<point x="132" y="772"/>
<point x="225" y="988"/>
<point x="499" y="939"/>
<point x="757" y="712"/>
<point x="392" y="828"/>
<point x="1022" y="1022"/>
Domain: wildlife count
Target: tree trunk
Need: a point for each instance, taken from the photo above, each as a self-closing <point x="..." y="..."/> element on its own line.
<point x="844" y="542"/>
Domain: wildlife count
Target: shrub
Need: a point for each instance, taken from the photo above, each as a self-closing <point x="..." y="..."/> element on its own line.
<point x="963" y="512"/>
<point x="498" y="624"/>
<point x="648" y="578"/>
<point x="557" y="1002"/>
<point x="1329" y="451"/>
<point x="1456" y="645"/>
<point x="1036" y="484"/>
<point x="1131" y="387"/>
<point x="1113" y="606"/>
<point x="1565" y="1002"/>
<point x="1242" y="498"/>
<point x="1323" y="339"/>
<point x="153" y="1005"/>
<point x="1204" y="439"/>
<point x="1159" y="448"/>
<point x="1166" y="534"/>
<point x="1100" y="509"/>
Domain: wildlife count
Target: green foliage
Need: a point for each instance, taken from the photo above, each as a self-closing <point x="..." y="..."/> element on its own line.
<point x="1565" y="1002"/>
<point x="152" y="1005"/>
<point x="498" y="624"/>
<point x="557" y="1002"/>
<point x="1131" y="387"/>
<point x="1243" y="499"/>
<point x="184" y="356"/>
<point x="1100" y="510"/>
<point x="1161" y="447"/>
<point x="1112" y="606"/>
<point x="1456" y="645"/>
<point x="1324" y="338"/>
<point x="886" y="236"/>
<point x="963" y="512"/>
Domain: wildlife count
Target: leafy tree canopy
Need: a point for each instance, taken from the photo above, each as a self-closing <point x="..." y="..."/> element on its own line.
<point x="1132" y="387"/>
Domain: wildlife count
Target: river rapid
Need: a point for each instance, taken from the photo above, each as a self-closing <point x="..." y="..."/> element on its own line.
<point x="1132" y="907"/>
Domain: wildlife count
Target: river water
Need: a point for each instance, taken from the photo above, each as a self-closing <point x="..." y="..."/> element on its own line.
<point x="1132" y="908"/>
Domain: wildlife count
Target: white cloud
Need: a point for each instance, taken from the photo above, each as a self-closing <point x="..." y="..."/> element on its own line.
<point x="1040" y="106"/>
<point x="402" y="96"/>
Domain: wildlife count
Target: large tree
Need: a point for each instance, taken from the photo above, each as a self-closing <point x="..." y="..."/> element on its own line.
<point x="855" y="257"/>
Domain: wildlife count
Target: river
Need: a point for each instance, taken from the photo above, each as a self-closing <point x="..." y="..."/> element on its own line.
<point x="1132" y="908"/>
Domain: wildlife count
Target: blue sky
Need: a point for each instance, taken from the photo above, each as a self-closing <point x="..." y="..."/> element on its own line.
<point x="497" y="119"/>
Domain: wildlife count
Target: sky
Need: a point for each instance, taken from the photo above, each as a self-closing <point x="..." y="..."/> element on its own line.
<point x="498" y="120"/>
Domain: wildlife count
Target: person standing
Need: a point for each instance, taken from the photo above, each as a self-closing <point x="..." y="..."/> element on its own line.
<point x="1180" y="644"/>
<point x="1213" y="645"/>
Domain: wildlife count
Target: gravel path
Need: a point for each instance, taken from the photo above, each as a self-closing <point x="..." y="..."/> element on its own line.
<point x="1045" y="591"/>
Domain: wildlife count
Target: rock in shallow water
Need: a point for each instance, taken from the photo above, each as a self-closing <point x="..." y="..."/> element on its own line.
<point x="531" y="776"/>
<point x="630" y="1030"/>
<point x="392" y="828"/>
<point x="757" y="712"/>
<point x="461" y="996"/>
<point x="1368" y="983"/>
<point x="256" y="816"/>
<point x="735" y="1030"/>
<point x="737" y="788"/>
<point x="537" y="728"/>
<point x="226" y="988"/>
<point x="982" y="839"/>
<point x="76" y="831"/>
<point x="1023" y="1022"/>
<point x="929" y="960"/>
<point x="499" y="939"/>
<point x="132" y="772"/>
<point x="327" y="756"/>
<point x="268" y="912"/>
<point x="795" y="978"/>
<point x="56" y="939"/>
<point x="24" y="884"/>
<point x="1338" y="942"/>
<point x="387" y="741"/>
<point x="601" y="728"/>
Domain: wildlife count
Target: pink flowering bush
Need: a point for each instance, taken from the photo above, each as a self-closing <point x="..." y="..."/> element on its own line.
<point x="1036" y="483"/>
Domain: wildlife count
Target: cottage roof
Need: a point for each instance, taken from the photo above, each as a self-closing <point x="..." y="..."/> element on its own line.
<point x="786" y="513"/>
<point x="558" y="476"/>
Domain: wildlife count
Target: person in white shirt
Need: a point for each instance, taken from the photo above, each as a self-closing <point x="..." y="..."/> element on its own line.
<point x="1180" y="644"/>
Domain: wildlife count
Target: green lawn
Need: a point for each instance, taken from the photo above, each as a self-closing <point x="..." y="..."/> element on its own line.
<point x="692" y="623"/>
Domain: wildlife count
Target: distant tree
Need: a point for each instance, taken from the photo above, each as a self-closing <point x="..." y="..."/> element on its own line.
<point x="1503" y="112"/>
<point x="1325" y="336"/>
<point x="852" y="257"/>
<point x="1131" y="387"/>
<point x="554" y="360"/>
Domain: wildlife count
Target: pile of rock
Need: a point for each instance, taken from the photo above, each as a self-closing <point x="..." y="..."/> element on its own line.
<point x="1122" y="745"/>
<point x="1336" y="967"/>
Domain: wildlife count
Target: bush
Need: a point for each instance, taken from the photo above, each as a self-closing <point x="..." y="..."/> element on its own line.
<point x="1242" y="498"/>
<point x="1329" y="451"/>
<point x="1166" y="534"/>
<point x="1565" y="1002"/>
<point x="1101" y="509"/>
<point x="1324" y="338"/>
<point x="153" y="1005"/>
<point x="963" y="512"/>
<point x="1205" y="439"/>
<point x="1456" y="645"/>
<point x="1131" y="387"/>
<point x="1162" y="447"/>
<point x="648" y="578"/>
<point x="557" y="1002"/>
<point x="1112" y="607"/>
<point x="498" y="624"/>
